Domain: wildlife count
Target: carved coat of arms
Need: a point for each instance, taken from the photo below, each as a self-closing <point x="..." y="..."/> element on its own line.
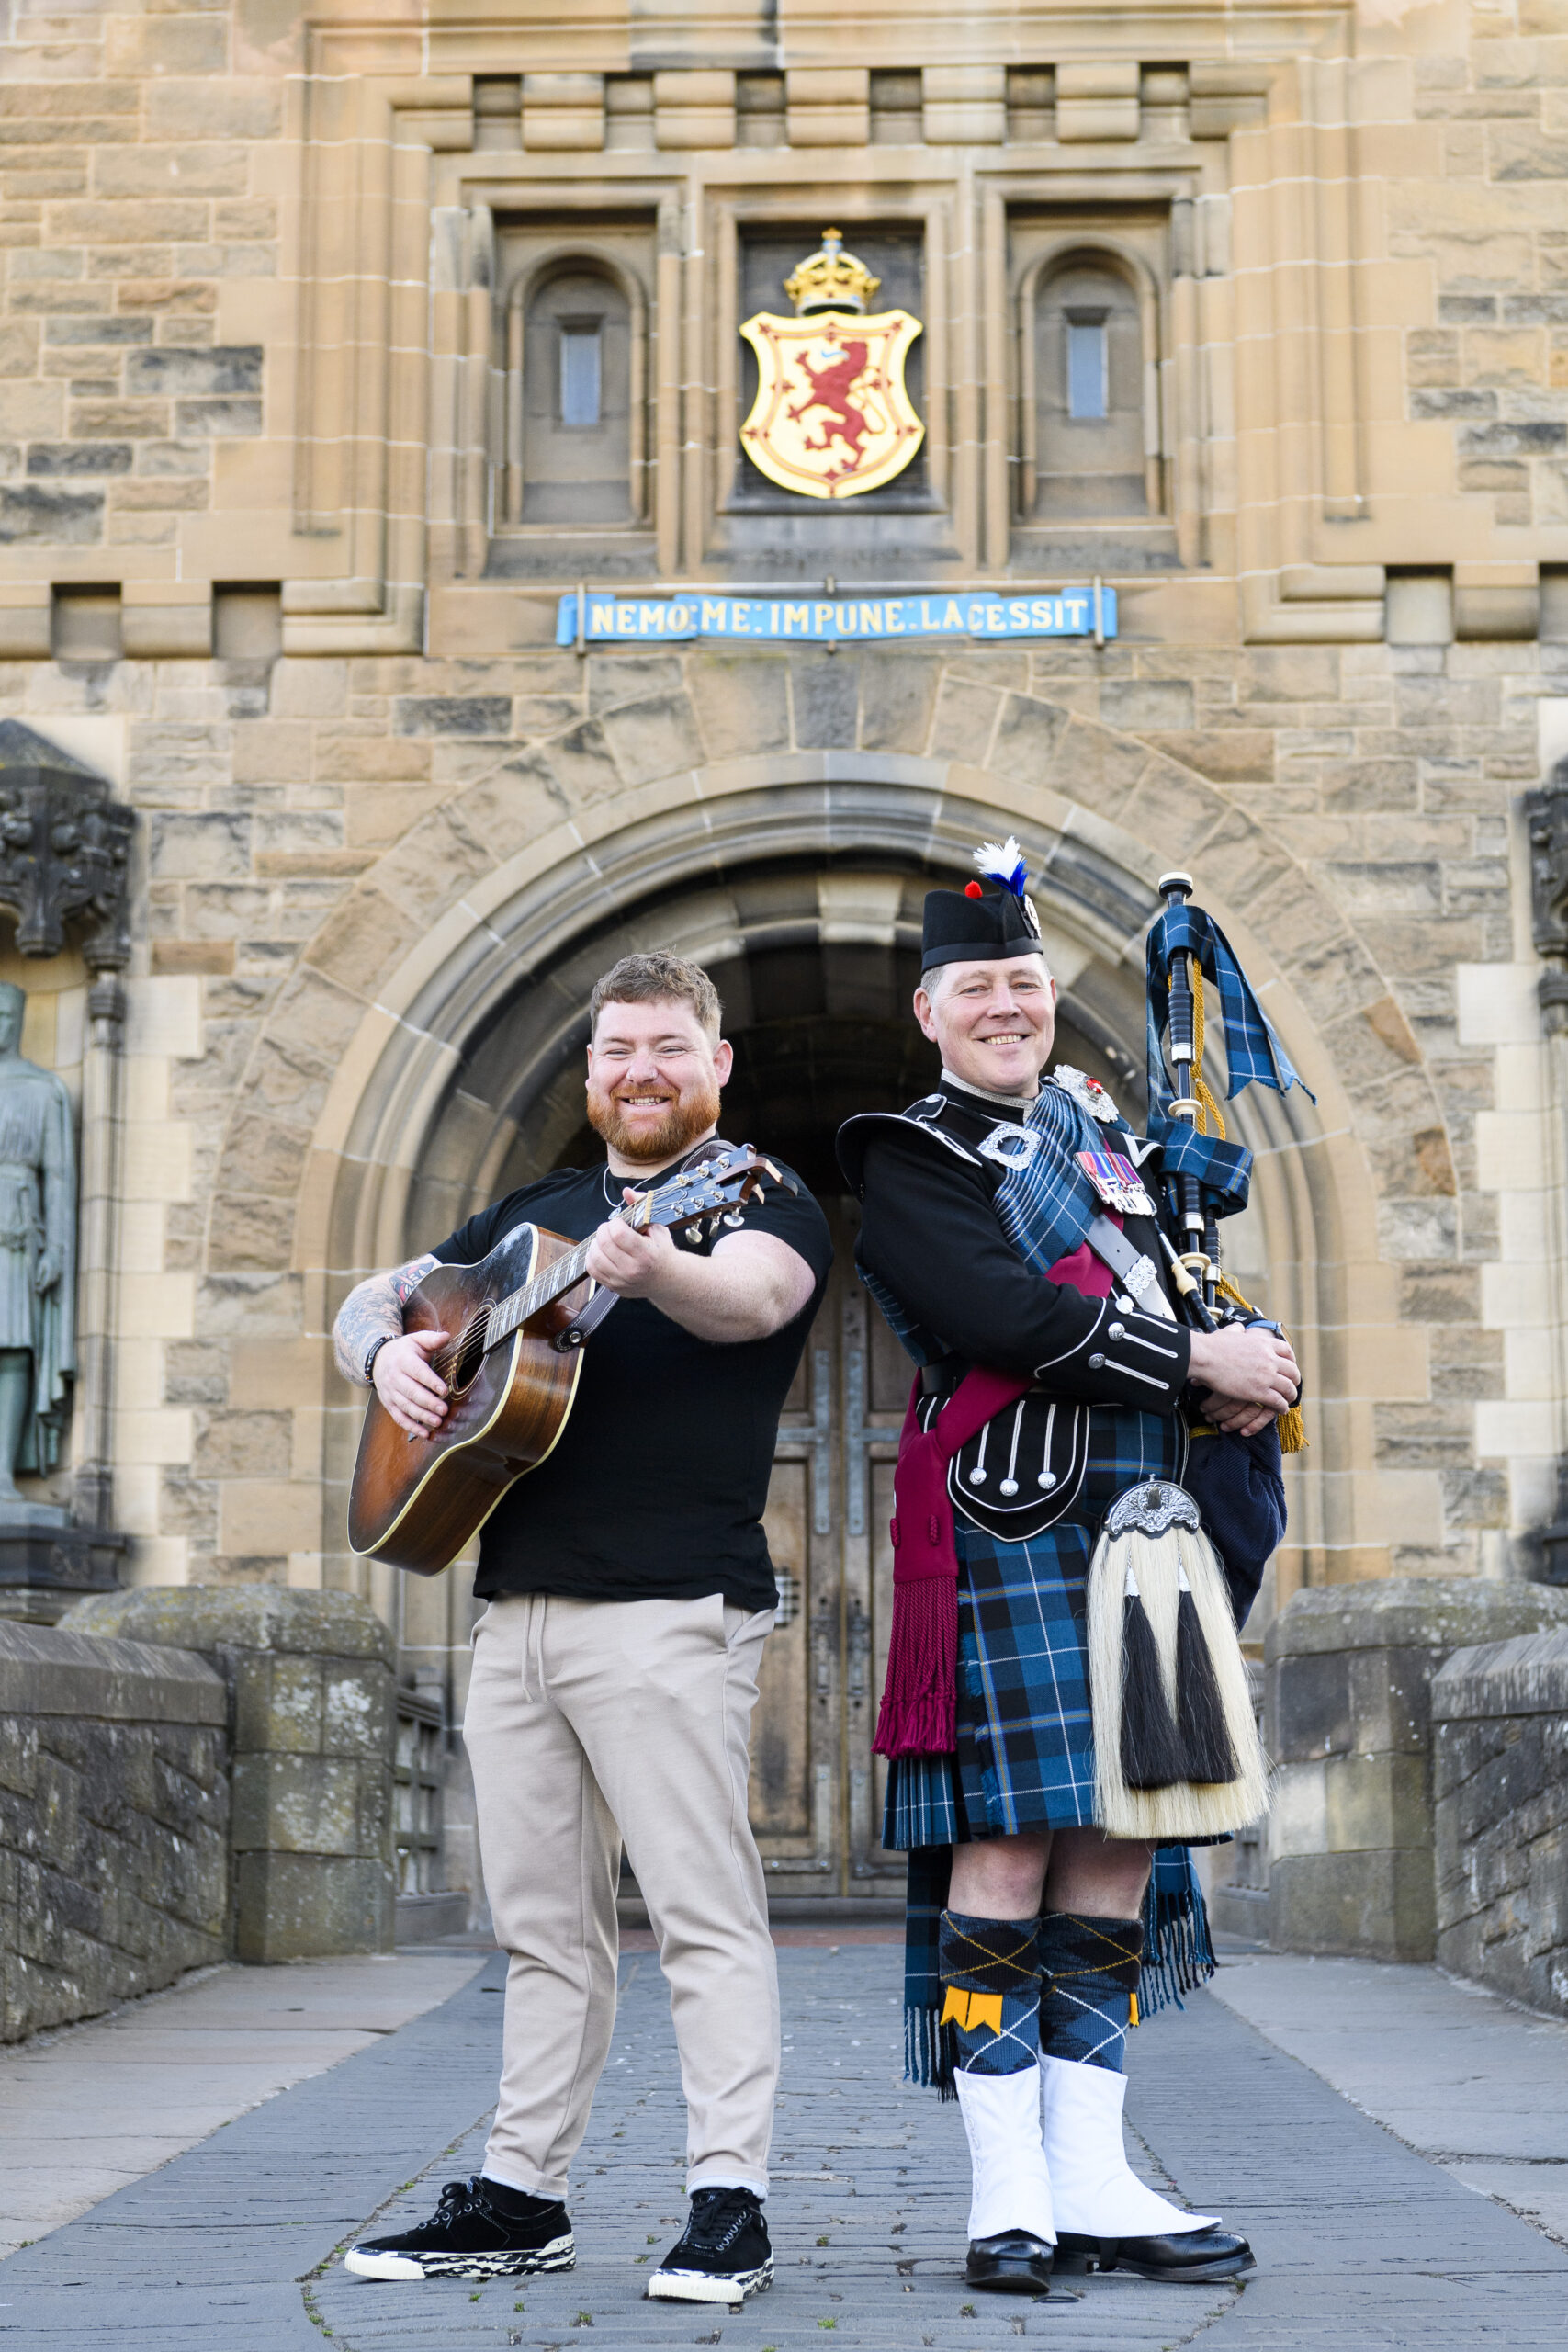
<point x="832" y="416"/>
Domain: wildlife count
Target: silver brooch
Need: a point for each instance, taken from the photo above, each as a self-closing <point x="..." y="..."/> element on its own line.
<point x="1010" y="1145"/>
<point x="1086" y="1092"/>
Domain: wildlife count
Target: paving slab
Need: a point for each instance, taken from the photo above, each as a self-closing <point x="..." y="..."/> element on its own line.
<point x="105" y="2103"/>
<point x="1361" y="2241"/>
<point x="1475" y="2084"/>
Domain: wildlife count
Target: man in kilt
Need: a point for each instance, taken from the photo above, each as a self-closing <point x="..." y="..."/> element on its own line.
<point x="974" y="1242"/>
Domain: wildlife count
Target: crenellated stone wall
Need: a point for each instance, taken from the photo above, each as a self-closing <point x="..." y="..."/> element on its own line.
<point x="310" y="1696"/>
<point x="114" y="1820"/>
<point x="1500" y="1785"/>
<point x="188" y="1776"/>
<point x="1366" y="1763"/>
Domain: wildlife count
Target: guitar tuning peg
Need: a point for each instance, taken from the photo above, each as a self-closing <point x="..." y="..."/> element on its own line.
<point x="732" y="1216"/>
<point x="693" y="1235"/>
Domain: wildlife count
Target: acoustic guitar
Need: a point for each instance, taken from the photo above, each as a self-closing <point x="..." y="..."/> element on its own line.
<point x="516" y="1322"/>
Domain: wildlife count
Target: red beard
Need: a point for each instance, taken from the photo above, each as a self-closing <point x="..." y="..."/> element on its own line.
<point x="689" y="1116"/>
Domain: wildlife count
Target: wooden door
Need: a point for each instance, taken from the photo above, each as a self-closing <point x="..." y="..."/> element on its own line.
<point x="817" y="1790"/>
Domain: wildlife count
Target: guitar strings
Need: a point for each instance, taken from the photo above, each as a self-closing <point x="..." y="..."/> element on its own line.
<point x="499" y="1321"/>
<point x="547" y="1284"/>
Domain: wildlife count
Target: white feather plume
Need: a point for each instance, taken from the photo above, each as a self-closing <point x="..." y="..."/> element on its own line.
<point x="1003" y="862"/>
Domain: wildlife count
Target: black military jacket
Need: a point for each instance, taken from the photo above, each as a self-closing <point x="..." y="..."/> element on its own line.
<point x="933" y="1254"/>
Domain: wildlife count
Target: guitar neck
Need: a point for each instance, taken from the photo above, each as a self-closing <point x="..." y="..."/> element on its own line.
<point x="506" y="1317"/>
<point x="509" y="1314"/>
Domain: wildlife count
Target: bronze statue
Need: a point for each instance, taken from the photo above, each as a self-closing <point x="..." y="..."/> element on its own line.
<point x="37" y="1259"/>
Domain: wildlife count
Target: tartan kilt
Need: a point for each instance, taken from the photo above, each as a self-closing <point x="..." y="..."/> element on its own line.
<point x="1025" y="1752"/>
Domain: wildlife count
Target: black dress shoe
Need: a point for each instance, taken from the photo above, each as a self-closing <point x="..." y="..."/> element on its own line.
<point x="1012" y="2263"/>
<point x="1196" y="2255"/>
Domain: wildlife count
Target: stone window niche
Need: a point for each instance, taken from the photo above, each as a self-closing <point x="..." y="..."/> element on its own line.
<point x="1094" y="483"/>
<point x="574" y="323"/>
<point x="1088" y="338"/>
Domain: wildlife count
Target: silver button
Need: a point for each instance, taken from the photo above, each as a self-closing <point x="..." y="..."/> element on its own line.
<point x="1127" y="1306"/>
<point x="1097" y="1363"/>
<point x="1009" y="1486"/>
<point x="1113" y="1331"/>
<point x="1046" y="1479"/>
<point x="976" y="1477"/>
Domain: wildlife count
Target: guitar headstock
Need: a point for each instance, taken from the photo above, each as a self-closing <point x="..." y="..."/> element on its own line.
<point x="727" y="1179"/>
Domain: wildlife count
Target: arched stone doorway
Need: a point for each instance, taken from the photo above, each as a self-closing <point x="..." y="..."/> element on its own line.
<point x="805" y="903"/>
<point x="817" y="963"/>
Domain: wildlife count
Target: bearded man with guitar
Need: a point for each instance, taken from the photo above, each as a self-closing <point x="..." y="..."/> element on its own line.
<point x="615" y="1670"/>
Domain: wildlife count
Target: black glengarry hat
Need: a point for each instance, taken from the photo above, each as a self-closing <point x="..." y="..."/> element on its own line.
<point x="979" y="926"/>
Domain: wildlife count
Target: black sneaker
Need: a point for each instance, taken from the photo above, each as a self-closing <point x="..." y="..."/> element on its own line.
<point x="474" y="2235"/>
<point x="722" y="2255"/>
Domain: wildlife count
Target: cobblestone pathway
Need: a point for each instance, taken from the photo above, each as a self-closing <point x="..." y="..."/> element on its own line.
<point x="1361" y="2242"/>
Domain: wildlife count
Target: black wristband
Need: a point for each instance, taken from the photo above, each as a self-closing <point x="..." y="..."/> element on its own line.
<point x="373" y="1351"/>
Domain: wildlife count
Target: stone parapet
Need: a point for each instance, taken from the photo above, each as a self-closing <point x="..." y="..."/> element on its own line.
<point x="1500" y="1791"/>
<point x="1349" y="1671"/>
<point x="114" y="1809"/>
<point x="311" y="1700"/>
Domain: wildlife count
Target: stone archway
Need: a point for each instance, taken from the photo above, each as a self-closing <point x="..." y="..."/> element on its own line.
<point x="809" y="917"/>
<point x="398" y="1133"/>
<point x="423" y="1052"/>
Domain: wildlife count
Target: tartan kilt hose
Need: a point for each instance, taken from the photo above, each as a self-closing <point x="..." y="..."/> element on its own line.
<point x="1025" y="1752"/>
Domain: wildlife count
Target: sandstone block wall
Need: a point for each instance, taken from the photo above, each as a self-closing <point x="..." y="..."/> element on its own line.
<point x="1500" y="1784"/>
<point x="114" y="1818"/>
<point x="1350" y="1724"/>
<point x="311" y="1700"/>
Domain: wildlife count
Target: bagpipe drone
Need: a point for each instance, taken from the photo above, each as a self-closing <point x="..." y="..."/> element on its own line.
<point x="1177" y="1750"/>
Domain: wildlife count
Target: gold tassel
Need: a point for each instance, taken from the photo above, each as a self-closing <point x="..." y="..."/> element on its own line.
<point x="1292" y="1428"/>
<point x="1132" y="2012"/>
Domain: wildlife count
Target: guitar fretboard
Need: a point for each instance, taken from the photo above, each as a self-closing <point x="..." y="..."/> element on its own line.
<point x="734" y="1186"/>
<point x="509" y="1313"/>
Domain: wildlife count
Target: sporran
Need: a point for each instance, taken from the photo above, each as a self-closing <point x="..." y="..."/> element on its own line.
<point x="1177" y="1751"/>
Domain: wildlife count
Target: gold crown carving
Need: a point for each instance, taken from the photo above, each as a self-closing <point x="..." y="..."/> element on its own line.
<point x="830" y="279"/>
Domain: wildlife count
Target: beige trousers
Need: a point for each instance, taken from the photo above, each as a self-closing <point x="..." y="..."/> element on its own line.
<point x="589" y="1723"/>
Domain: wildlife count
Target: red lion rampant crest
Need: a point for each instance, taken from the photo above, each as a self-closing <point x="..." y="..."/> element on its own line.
<point x="830" y="386"/>
<point x="831" y="415"/>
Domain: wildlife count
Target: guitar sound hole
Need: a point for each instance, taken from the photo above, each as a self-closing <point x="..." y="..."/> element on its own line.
<point x="471" y="1354"/>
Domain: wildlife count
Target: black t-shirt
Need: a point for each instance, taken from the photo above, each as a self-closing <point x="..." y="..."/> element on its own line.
<point x="656" y="1487"/>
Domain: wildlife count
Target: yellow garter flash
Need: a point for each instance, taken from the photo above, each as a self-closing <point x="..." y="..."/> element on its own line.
<point x="970" y="2009"/>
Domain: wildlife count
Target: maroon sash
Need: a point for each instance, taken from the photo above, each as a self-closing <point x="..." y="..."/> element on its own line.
<point x="919" y="1698"/>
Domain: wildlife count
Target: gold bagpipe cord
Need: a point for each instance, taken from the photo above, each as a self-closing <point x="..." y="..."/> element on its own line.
<point x="1292" y="1435"/>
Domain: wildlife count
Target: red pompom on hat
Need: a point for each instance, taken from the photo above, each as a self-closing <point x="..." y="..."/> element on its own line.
<point x="973" y="890"/>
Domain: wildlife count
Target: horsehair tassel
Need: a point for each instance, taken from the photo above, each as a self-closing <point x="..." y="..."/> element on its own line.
<point x="1180" y="1809"/>
<point x="1151" y="1751"/>
<point x="1207" y="1753"/>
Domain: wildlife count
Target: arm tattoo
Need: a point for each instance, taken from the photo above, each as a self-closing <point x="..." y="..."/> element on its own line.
<point x="375" y="1308"/>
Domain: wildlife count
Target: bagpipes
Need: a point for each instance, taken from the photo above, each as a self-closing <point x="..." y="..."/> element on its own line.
<point x="1177" y="1750"/>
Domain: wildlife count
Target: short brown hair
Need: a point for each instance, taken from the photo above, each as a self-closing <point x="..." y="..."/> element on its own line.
<point x="657" y="977"/>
